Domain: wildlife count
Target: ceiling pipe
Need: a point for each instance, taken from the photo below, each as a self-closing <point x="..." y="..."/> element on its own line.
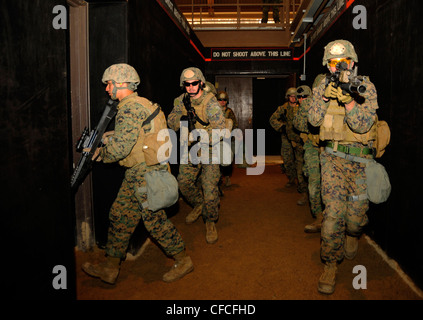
<point x="308" y="18"/>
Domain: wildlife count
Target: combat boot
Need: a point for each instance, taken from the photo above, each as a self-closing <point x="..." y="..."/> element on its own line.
<point x="327" y="279"/>
<point x="183" y="265"/>
<point x="107" y="271"/>
<point x="228" y="182"/>
<point x="316" y="226"/>
<point x="194" y="214"/>
<point x="350" y="247"/>
<point x="211" y="232"/>
<point x="291" y="183"/>
<point x="303" y="200"/>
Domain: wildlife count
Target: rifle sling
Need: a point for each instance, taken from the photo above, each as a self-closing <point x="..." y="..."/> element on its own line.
<point x="201" y="121"/>
<point x="151" y="117"/>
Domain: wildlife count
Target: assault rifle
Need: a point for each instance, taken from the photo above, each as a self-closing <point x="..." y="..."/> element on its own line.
<point x="93" y="141"/>
<point x="191" y="113"/>
<point x="346" y="79"/>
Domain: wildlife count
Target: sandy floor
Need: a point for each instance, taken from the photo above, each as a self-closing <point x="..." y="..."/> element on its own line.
<point x="262" y="254"/>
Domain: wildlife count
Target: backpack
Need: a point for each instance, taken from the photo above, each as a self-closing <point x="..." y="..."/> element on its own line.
<point x="383" y="137"/>
<point x="378" y="184"/>
<point x="151" y="143"/>
<point x="161" y="188"/>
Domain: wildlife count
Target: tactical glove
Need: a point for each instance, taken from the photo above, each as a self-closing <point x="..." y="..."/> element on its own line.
<point x="330" y="92"/>
<point x="345" y="98"/>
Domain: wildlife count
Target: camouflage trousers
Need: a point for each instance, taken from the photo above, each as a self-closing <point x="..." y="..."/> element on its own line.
<point x="275" y="9"/>
<point x="312" y="172"/>
<point x="341" y="179"/>
<point x="288" y="158"/>
<point x="293" y="158"/>
<point x="199" y="185"/>
<point x="126" y="212"/>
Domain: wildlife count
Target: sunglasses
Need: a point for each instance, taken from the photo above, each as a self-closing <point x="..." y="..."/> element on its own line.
<point x="194" y="83"/>
<point x="222" y="100"/>
<point x="301" y="97"/>
<point x="334" y="62"/>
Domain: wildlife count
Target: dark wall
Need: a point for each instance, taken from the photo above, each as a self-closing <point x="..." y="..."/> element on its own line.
<point x="108" y="43"/>
<point x="35" y="169"/>
<point x="389" y="52"/>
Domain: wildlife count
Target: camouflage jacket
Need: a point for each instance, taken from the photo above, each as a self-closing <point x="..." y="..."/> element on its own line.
<point x="229" y="114"/>
<point x="284" y="117"/>
<point x="213" y="113"/>
<point x="301" y="118"/>
<point x="129" y="119"/>
<point x="360" y="118"/>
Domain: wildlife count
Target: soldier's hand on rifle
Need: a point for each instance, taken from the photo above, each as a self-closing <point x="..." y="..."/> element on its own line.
<point x="106" y="136"/>
<point x="330" y="92"/>
<point x="345" y="98"/>
<point x="95" y="155"/>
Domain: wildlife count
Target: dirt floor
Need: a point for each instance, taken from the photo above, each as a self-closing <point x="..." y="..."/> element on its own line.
<point x="262" y="254"/>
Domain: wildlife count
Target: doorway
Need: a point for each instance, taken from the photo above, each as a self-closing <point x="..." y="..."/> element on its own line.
<point x="253" y="100"/>
<point x="268" y="95"/>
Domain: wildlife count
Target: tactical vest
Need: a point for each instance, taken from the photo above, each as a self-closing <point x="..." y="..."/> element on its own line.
<point x="136" y="155"/>
<point x="334" y="127"/>
<point x="314" y="138"/>
<point x="200" y="111"/>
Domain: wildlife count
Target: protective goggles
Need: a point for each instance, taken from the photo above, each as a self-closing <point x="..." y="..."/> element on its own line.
<point x="194" y="83"/>
<point x="334" y="62"/>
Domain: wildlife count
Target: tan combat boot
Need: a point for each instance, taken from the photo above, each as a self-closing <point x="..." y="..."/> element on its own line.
<point x="194" y="214"/>
<point x="316" y="226"/>
<point x="350" y="247"/>
<point x="211" y="232"/>
<point x="327" y="279"/>
<point x="107" y="271"/>
<point x="183" y="265"/>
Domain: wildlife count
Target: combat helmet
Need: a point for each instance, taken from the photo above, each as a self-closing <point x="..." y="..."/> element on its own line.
<point x="303" y="91"/>
<point x="210" y="88"/>
<point x="223" y="95"/>
<point x="291" y="92"/>
<point x="122" y="72"/>
<point x="318" y="80"/>
<point x="339" y="49"/>
<point x="191" y="73"/>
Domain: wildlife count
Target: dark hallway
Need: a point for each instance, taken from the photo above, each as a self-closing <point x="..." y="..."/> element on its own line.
<point x="52" y="58"/>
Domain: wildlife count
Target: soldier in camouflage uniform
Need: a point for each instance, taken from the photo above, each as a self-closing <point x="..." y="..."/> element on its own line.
<point x="287" y="112"/>
<point x="310" y="136"/>
<point x="223" y="99"/>
<point x="278" y="122"/>
<point x="127" y="210"/>
<point x="347" y="127"/>
<point x="204" y="197"/>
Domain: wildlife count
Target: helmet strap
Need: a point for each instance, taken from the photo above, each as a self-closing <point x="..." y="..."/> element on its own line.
<point x="115" y="89"/>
